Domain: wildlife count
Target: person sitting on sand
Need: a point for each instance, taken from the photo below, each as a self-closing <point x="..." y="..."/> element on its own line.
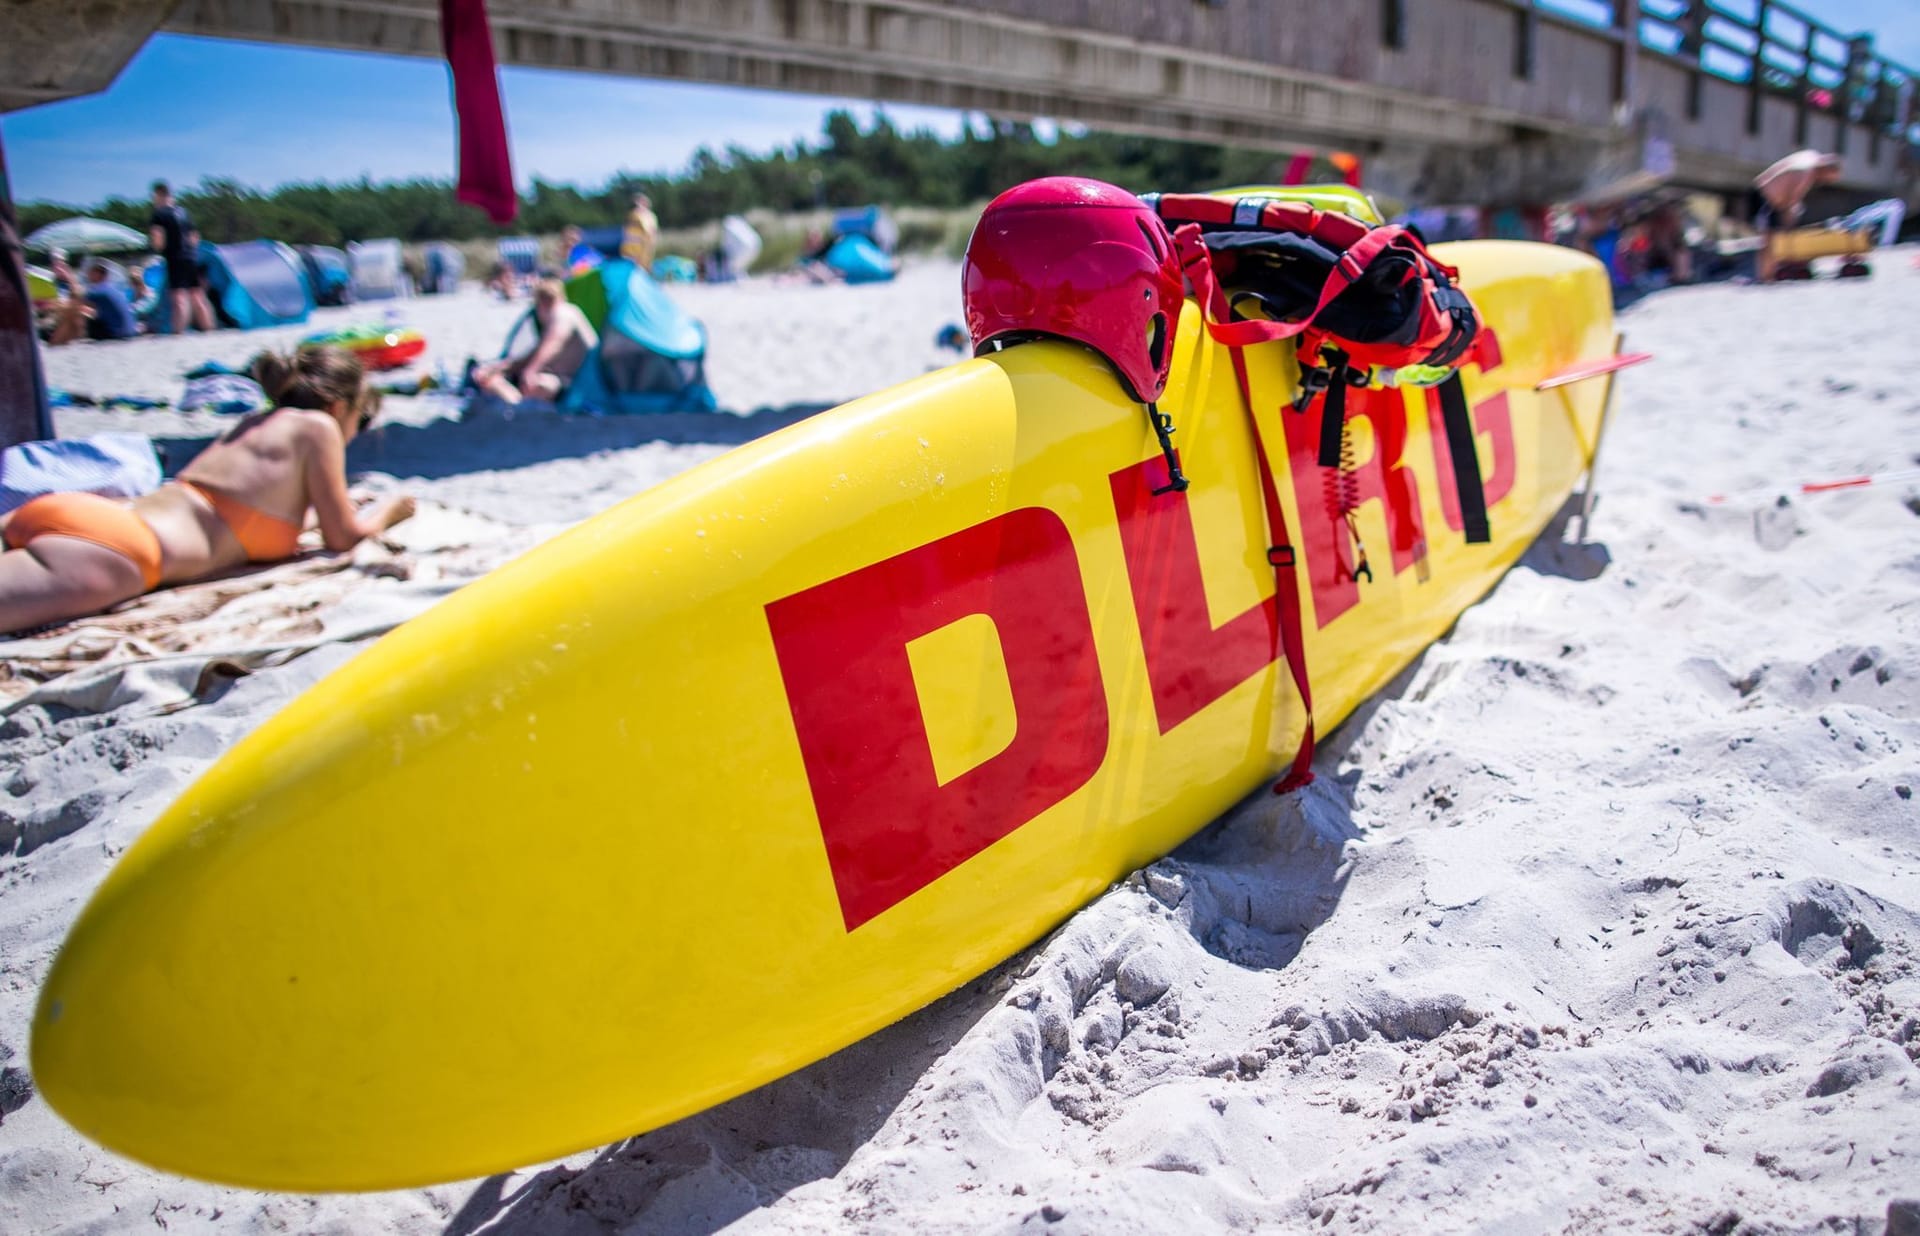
<point x="500" y="281"/>
<point x="563" y="336"/>
<point x="64" y="280"/>
<point x="811" y="266"/>
<point x="243" y="499"/>
<point x="102" y="312"/>
<point x="1779" y="196"/>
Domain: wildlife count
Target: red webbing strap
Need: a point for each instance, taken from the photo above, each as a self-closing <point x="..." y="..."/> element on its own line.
<point x="1198" y="265"/>
<point x="1282" y="555"/>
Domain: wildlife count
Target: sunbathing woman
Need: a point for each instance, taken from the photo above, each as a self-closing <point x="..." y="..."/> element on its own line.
<point x="243" y="499"/>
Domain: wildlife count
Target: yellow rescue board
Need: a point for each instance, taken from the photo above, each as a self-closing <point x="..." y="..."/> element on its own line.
<point x="771" y="755"/>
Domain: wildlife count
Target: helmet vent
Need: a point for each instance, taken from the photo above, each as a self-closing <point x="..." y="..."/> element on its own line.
<point x="1153" y="240"/>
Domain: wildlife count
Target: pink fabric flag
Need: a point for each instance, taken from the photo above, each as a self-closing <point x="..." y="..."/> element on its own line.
<point x="486" y="168"/>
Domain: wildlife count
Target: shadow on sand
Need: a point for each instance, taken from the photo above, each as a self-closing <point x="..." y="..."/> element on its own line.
<point x="702" y="1173"/>
<point x="1260" y="878"/>
<point x="444" y="448"/>
<point x="1552" y="554"/>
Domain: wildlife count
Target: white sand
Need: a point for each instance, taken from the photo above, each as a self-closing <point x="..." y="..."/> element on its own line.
<point x="1603" y="918"/>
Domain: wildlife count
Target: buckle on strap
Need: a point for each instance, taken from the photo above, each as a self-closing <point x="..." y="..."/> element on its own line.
<point x="1313" y="381"/>
<point x="1247" y="211"/>
<point x="1280" y="555"/>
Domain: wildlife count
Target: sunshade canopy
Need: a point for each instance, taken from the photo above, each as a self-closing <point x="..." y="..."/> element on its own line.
<point x="84" y="235"/>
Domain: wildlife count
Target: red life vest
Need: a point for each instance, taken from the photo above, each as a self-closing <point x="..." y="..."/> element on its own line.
<point x="1334" y="282"/>
<point x="1356" y="298"/>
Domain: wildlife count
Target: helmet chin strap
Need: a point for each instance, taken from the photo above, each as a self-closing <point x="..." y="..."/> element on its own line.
<point x="1163" y="430"/>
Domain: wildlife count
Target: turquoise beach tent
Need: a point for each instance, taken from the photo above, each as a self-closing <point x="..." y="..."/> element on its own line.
<point x="257" y="283"/>
<point x="652" y="353"/>
<point x="253" y="284"/>
<point x="859" y="260"/>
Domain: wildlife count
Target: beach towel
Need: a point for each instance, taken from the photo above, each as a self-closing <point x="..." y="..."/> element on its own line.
<point x="114" y="465"/>
<point x="182" y="646"/>
<point x="1885" y="216"/>
<point x="223" y="392"/>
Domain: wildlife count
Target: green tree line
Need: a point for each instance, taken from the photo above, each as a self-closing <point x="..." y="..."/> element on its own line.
<point x="846" y="167"/>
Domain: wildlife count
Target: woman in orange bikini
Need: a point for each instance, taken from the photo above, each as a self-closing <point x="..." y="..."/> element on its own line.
<point x="243" y="499"/>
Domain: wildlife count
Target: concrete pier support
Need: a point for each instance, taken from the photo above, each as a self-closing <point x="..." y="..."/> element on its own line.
<point x="1466" y="101"/>
<point x="56" y="49"/>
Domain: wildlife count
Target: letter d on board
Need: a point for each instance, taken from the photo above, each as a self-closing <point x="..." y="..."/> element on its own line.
<point x="890" y="828"/>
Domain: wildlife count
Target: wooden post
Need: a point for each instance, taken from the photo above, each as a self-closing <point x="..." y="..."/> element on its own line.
<point x="1393" y="24"/>
<point x="23" y="394"/>
<point x="1593" y="458"/>
<point x="1525" y="23"/>
<point x="1756" y="68"/>
<point x="1803" y="93"/>
<point x="1853" y="88"/>
<point x="1626" y="78"/>
<point x="1693" y="49"/>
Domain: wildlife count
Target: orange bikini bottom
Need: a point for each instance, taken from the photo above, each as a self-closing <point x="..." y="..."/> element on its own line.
<point x="89" y="517"/>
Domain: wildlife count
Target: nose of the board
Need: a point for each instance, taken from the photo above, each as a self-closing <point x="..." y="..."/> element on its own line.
<point x="132" y="1042"/>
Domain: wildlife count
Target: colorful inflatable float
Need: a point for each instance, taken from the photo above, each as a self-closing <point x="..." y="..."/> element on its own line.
<point x="378" y="347"/>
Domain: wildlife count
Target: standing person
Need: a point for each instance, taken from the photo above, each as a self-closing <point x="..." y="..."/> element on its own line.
<point x="173" y="237"/>
<point x="243" y="499"/>
<point x="642" y="230"/>
<point x="1779" y="196"/>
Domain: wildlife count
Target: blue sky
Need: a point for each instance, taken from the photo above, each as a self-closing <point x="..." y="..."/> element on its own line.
<point x="188" y="108"/>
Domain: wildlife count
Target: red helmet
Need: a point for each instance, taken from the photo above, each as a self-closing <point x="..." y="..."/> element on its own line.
<point x="1081" y="260"/>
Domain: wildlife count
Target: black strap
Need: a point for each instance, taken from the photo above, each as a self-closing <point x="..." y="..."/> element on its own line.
<point x="1163" y="433"/>
<point x="1333" y="421"/>
<point x="1466" y="460"/>
<point x="1333" y="411"/>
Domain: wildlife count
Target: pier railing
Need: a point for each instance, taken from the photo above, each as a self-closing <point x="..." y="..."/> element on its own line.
<point x="1772" y="48"/>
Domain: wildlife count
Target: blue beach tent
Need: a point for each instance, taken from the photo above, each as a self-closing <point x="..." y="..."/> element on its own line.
<point x="258" y="283"/>
<point x="872" y="222"/>
<point x="652" y="353"/>
<point x="329" y="274"/>
<point x="859" y="260"/>
<point x="253" y="284"/>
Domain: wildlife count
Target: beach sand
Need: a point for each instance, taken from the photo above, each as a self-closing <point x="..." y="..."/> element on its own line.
<point x="1602" y="918"/>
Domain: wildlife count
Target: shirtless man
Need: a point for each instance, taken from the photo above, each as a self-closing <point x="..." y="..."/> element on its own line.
<point x="1779" y="195"/>
<point x="565" y="337"/>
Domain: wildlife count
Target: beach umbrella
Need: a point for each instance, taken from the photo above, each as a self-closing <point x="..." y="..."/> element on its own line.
<point x="86" y="236"/>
